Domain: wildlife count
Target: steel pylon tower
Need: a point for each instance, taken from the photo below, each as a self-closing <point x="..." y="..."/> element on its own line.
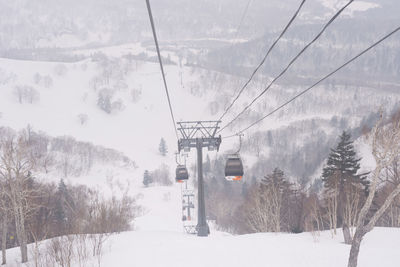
<point x="199" y="134"/>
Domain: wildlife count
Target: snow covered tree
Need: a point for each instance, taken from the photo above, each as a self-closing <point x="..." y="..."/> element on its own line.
<point x="161" y="175"/>
<point x="344" y="188"/>
<point x="104" y="100"/>
<point x="162" y="148"/>
<point x="83" y="118"/>
<point x="147" y="178"/>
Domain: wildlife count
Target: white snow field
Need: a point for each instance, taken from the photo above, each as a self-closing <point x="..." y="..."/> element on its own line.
<point x="380" y="248"/>
<point x="159" y="241"/>
<point x="158" y="238"/>
<point x="58" y="107"/>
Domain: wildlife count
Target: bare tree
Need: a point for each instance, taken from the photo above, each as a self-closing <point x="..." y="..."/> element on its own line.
<point x="332" y="204"/>
<point x="39" y="225"/>
<point x="385" y="149"/>
<point x="351" y="208"/>
<point x="4" y="210"/>
<point x="83" y="118"/>
<point x="19" y="93"/>
<point x="61" y="251"/>
<point x="136" y="94"/>
<point x="36" y="246"/>
<point x="26" y="94"/>
<point x="60" y="69"/>
<point x="313" y="215"/>
<point x="161" y="175"/>
<point x="257" y="213"/>
<point x="15" y="171"/>
<point x="391" y="218"/>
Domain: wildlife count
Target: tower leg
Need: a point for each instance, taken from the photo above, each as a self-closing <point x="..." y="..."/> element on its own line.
<point x="202" y="226"/>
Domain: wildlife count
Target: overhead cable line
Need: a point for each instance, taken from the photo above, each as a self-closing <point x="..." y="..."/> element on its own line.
<point x="161" y="66"/>
<point x="263" y="60"/>
<point x="318" y="82"/>
<point x="288" y="66"/>
<point x="242" y="19"/>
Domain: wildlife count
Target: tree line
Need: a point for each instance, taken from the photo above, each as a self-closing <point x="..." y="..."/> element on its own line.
<point x="33" y="210"/>
<point x="342" y="197"/>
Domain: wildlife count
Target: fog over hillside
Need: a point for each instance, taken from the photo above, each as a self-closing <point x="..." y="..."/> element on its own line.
<point x="82" y="101"/>
<point x="49" y="23"/>
<point x="204" y="60"/>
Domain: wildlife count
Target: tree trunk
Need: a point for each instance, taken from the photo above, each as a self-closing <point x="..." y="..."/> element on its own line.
<point x="24" y="241"/>
<point x="24" y="250"/>
<point x="21" y="233"/>
<point x="4" y="239"/>
<point x="346" y="234"/>
<point x="355" y="247"/>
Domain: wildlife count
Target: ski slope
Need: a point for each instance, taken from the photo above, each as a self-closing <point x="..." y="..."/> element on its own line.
<point x="380" y="248"/>
<point x="196" y="94"/>
<point x="159" y="241"/>
<point x="136" y="130"/>
<point x="158" y="238"/>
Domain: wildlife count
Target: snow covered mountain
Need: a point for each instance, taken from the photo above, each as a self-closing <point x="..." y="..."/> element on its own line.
<point x="60" y="24"/>
<point x="113" y="97"/>
<point x="84" y="79"/>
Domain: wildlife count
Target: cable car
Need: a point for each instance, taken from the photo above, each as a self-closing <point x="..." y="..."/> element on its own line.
<point x="234" y="168"/>
<point x="181" y="174"/>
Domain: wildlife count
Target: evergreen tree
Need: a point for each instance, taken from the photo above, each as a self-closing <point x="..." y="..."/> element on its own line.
<point x="276" y="179"/>
<point x="163" y="147"/>
<point x="342" y="166"/>
<point x="64" y="207"/>
<point x="343" y="185"/>
<point x="60" y="213"/>
<point x="147" y="178"/>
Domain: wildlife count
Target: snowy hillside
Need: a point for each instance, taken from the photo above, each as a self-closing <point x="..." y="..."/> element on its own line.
<point x="158" y="240"/>
<point x="58" y="107"/>
<point x="88" y="148"/>
<point x="63" y="99"/>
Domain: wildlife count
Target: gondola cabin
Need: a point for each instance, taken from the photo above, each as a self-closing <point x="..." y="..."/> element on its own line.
<point x="181" y="174"/>
<point x="234" y="168"/>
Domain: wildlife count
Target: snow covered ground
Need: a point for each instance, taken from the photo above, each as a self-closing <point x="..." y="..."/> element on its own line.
<point x="159" y="240"/>
<point x="193" y="91"/>
<point x="380" y="248"/>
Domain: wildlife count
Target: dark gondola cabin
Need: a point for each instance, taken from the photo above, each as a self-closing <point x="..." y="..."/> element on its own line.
<point x="234" y="168"/>
<point x="181" y="174"/>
